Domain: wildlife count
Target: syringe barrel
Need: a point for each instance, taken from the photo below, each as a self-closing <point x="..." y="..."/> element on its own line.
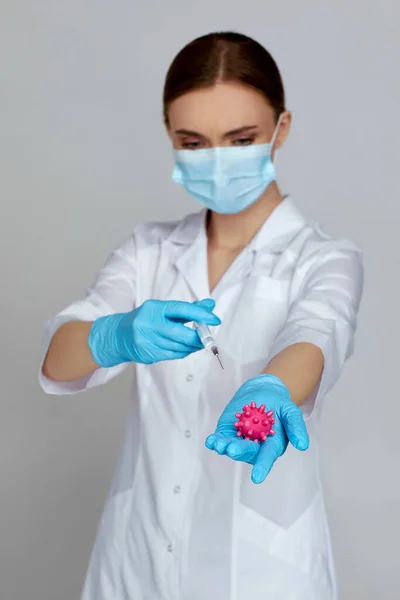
<point x="205" y="335"/>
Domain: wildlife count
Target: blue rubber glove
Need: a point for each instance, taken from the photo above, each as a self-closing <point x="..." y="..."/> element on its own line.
<point x="289" y="426"/>
<point x="153" y="332"/>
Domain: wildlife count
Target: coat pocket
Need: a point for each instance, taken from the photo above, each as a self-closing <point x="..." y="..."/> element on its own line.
<point x="260" y="313"/>
<point x="292" y="563"/>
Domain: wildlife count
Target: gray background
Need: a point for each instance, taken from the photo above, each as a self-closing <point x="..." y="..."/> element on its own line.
<point x="84" y="157"/>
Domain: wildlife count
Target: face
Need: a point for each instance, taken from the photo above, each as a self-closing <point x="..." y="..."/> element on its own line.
<point x="227" y="114"/>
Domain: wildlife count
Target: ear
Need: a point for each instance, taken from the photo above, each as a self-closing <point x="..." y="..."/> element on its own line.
<point x="284" y="128"/>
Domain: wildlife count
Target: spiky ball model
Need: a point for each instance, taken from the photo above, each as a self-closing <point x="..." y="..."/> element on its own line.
<point x="254" y="423"/>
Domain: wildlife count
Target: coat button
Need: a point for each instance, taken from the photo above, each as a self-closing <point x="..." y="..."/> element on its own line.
<point x="177" y="489"/>
<point x="170" y="548"/>
<point x="189" y="377"/>
<point x="188" y="433"/>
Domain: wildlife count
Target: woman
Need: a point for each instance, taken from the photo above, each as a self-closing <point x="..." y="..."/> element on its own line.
<point x="181" y="522"/>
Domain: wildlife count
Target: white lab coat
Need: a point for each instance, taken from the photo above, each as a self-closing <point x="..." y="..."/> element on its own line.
<point x="181" y="522"/>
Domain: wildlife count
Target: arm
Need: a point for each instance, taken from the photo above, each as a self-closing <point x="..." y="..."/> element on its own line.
<point x="306" y="360"/>
<point x="310" y="351"/>
<point x="69" y="357"/>
<point x="68" y="366"/>
<point x="153" y="332"/>
<point x="300" y="368"/>
<point x="94" y="337"/>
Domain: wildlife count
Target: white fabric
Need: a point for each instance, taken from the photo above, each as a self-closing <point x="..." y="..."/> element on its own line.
<point x="181" y="522"/>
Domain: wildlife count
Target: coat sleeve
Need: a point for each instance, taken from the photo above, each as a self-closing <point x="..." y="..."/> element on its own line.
<point x="113" y="291"/>
<point x="325" y="312"/>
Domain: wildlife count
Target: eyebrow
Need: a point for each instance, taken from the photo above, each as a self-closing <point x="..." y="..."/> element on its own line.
<point x="239" y="130"/>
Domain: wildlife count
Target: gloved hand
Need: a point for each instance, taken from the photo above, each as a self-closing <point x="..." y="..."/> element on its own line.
<point x="153" y="332"/>
<point x="289" y="426"/>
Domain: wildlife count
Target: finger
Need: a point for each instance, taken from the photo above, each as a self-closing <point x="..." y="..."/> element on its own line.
<point x="208" y="303"/>
<point x="243" y="450"/>
<point x="179" y="333"/>
<point x="221" y="444"/>
<point x="190" y="312"/>
<point x="217" y="442"/>
<point x="172" y="345"/>
<point x="179" y="337"/>
<point x="295" y="427"/>
<point x="210" y="441"/>
<point x="269" y="452"/>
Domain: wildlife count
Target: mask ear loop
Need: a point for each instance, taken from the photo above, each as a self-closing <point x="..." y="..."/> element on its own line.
<point x="272" y="142"/>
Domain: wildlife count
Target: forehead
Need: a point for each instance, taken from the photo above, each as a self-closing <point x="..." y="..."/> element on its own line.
<point x="224" y="106"/>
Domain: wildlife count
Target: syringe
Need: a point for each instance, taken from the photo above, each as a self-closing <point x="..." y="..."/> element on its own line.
<point x="207" y="340"/>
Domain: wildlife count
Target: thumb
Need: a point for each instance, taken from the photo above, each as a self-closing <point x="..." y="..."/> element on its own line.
<point x="206" y="302"/>
<point x="268" y="454"/>
<point x="295" y="427"/>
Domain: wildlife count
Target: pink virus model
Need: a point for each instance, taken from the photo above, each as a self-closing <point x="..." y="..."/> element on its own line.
<point x="254" y="423"/>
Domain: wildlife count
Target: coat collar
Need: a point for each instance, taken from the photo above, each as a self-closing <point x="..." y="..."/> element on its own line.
<point x="273" y="237"/>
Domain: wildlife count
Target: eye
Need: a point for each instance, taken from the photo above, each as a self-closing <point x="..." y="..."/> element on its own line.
<point x="244" y="141"/>
<point x="191" y="145"/>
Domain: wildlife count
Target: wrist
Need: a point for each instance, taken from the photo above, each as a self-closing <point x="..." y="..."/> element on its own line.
<point x="267" y="379"/>
<point x="103" y="341"/>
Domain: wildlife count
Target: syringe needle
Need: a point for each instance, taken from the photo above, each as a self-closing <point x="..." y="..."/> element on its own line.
<point x="216" y="353"/>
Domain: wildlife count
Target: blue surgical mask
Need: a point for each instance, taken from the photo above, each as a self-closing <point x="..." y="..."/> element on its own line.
<point x="228" y="179"/>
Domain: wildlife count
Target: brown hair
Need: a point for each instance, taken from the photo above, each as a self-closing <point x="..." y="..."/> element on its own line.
<point x="225" y="56"/>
